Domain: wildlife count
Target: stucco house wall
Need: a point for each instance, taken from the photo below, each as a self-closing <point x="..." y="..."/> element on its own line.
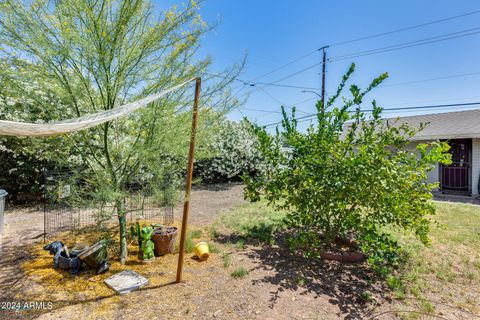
<point x="448" y="126"/>
<point x="434" y="175"/>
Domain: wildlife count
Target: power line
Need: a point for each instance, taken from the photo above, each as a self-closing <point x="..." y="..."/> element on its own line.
<point x="283" y="78"/>
<point x="254" y="84"/>
<point x="430" y="79"/>
<point x="400" y="46"/>
<point x="265" y="111"/>
<point x="296" y="73"/>
<point x="285" y="65"/>
<point x="260" y="109"/>
<point x="281" y="103"/>
<point x="308" y="117"/>
<point x="271" y="96"/>
<point x="405" y="111"/>
<point x="366" y="38"/>
<point x="264" y="108"/>
<point x="429" y="107"/>
<point x="281" y="85"/>
<point x="409" y="44"/>
<point x="405" y="28"/>
<point x="317" y="88"/>
<point x="429" y="101"/>
<point x="363" y="53"/>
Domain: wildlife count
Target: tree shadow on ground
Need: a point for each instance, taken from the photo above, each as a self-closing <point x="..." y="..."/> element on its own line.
<point x="347" y="285"/>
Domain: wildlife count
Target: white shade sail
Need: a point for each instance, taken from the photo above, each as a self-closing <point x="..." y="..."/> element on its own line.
<point x="14" y="128"/>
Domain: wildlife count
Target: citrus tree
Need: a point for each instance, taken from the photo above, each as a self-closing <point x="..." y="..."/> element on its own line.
<point x="349" y="175"/>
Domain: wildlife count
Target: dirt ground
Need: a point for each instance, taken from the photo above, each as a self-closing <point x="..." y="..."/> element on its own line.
<point x="25" y="225"/>
<point x="277" y="286"/>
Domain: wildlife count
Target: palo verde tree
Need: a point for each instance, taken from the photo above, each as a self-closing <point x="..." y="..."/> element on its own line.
<point x="103" y="53"/>
<point x="348" y="175"/>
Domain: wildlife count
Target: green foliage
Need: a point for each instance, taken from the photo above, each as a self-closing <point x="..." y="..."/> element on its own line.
<point x="396" y="285"/>
<point x="348" y="176"/>
<point x="232" y="152"/>
<point x="196" y="233"/>
<point x="96" y="55"/>
<point x="213" y="248"/>
<point x="366" y="296"/>
<point x="189" y="243"/>
<point x="240" y="244"/>
<point x="239" y="273"/>
<point x="226" y="260"/>
<point x="25" y="95"/>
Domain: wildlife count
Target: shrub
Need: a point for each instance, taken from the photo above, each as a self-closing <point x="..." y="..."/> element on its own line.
<point x="348" y="176"/>
<point x="26" y="96"/>
<point x="232" y="152"/>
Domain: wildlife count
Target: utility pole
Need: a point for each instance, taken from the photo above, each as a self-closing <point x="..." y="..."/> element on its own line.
<point x="323" y="75"/>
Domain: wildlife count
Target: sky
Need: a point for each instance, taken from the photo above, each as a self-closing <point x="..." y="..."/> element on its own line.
<point x="273" y="33"/>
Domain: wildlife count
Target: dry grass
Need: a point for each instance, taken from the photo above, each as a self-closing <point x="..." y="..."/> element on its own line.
<point x="440" y="280"/>
<point x="253" y="221"/>
<point x="443" y="278"/>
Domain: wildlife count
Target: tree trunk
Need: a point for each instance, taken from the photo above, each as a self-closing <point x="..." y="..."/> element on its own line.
<point x="122" y="221"/>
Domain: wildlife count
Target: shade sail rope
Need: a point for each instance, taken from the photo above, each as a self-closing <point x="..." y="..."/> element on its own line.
<point x="15" y="128"/>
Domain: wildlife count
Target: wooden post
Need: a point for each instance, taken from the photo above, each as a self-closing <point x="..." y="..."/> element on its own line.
<point x="188" y="186"/>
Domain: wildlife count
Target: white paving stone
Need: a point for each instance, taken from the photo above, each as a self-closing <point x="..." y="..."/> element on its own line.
<point x="126" y="281"/>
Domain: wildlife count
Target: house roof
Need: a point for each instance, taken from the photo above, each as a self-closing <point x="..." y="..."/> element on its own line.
<point x="449" y="125"/>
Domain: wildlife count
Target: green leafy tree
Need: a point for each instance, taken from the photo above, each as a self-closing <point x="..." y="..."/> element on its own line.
<point x="103" y="53"/>
<point x="348" y="175"/>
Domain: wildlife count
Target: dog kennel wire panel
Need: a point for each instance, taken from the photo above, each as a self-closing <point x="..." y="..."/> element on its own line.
<point x="60" y="214"/>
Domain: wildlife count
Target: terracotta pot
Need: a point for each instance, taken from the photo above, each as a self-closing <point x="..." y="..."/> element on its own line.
<point x="164" y="240"/>
<point x="349" y="257"/>
<point x="352" y="256"/>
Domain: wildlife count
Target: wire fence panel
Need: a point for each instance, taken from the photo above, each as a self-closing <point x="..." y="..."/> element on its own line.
<point x="61" y="213"/>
